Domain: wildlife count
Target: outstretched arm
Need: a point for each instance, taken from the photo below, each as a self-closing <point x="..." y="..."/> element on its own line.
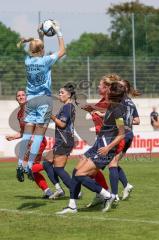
<point x="93" y="107"/>
<point x="14" y="136"/>
<point x="57" y="29"/>
<point x="40" y="33"/>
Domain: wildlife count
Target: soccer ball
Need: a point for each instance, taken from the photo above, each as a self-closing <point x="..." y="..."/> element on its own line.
<point x="48" y="29"/>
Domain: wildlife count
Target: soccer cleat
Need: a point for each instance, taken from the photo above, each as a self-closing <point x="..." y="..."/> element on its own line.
<point x="67" y="210"/>
<point x="59" y="193"/>
<point x="30" y="174"/>
<point x="98" y="199"/>
<point x="47" y="194"/>
<point x="108" y="204"/>
<point x="20" y="174"/>
<point x="117" y="199"/>
<point x="127" y="190"/>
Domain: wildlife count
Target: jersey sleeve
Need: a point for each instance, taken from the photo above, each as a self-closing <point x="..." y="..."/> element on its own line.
<point x="135" y="113"/>
<point x="66" y="113"/>
<point x="51" y="59"/>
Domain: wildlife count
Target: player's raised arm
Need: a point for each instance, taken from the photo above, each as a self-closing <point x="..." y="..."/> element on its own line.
<point x="40" y="33"/>
<point x="57" y="29"/>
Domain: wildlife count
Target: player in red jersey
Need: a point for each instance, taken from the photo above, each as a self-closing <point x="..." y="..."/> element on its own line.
<point x="39" y="179"/>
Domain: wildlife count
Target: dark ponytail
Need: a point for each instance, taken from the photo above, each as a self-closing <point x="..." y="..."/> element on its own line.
<point x="129" y="89"/>
<point x="71" y="89"/>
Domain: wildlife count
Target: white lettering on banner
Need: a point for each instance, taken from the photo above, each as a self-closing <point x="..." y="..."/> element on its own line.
<point x="142" y="143"/>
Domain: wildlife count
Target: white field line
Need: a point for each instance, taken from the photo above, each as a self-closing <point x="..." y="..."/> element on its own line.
<point x="36" y="213"/>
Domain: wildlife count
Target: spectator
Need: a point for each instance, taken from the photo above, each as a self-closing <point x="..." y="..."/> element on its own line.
<point x="154" y="116"/>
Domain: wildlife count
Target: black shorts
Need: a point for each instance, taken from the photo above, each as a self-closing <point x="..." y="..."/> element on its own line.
<point x="100" y="161"/>
<point x="62" y="149"/>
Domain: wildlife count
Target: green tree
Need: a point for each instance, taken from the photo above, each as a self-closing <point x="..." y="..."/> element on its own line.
<point x="8" y="41"/>
<point x="12" y="75"/>
<point x="89" y="44"/>
<point x="146" y="20"/>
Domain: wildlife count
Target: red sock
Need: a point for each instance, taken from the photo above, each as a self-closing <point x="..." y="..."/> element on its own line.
<point x="100" y="179"/>
<point x="38" y="177"/>
<point x="37" y="167"/>
<point x="40" y="181"/>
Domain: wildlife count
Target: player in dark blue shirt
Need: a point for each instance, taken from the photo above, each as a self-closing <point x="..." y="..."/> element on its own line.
<point x="131" y="118"/>
<point x="64" y="140"/>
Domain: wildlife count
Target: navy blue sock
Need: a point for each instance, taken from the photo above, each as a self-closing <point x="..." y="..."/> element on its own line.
<point x="122" y="177"/>
<point x="114" y="179"/>
<point x="48" y="167"/>
<point x="89" y="183"/>
<point x="75" y="186"/>
<point x="65" y="177"/>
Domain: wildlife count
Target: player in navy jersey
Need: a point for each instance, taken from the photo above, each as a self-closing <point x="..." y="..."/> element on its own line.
<point x="130" y="118"/>
<point x="97" y="112"/>
<point x="103" y="150"/>
<point x="56" y="160"/>
<point x="38" y="108"/>
<point x="116" y="173"/>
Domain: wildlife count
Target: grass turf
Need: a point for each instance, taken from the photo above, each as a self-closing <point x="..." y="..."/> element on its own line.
<point x="24" y="215"/>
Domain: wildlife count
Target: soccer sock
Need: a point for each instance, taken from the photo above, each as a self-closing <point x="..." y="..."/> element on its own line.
<point x="114" y="178"/>
<point x="122" y="177"/>
<point x="100" y="179"/>
<point x="23" y="147"/>
<point x="65" y="177"/>
<point x="20" y="162"/>
<point x="40" y="181"/>
<point x="37" y="167"/>
<point x="35" y="146"/>
<point x="72" y="203"/>
<point x="48" y="192"/>
<point x="75" y="186"/>
<point x="58" y="187"/>
<point x="50" y="172"/>
<point x="89" y="183"/>
<point x="105" y="193"/>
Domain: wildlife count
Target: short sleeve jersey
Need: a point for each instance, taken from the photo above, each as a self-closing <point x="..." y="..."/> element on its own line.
<point x="66" y="135"/>
<point x="131" y="111"/>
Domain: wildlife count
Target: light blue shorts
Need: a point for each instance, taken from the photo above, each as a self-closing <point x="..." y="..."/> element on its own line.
<point x="38" y="110"/>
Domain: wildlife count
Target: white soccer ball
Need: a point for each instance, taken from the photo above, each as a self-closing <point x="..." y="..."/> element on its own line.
<point x="47" y="28"/>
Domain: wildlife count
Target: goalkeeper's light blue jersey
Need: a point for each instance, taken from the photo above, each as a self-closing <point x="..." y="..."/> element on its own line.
<point x="38" y="71"/>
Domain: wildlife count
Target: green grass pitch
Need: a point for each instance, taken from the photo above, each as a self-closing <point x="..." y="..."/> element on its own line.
<point x="25" y="215"/>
